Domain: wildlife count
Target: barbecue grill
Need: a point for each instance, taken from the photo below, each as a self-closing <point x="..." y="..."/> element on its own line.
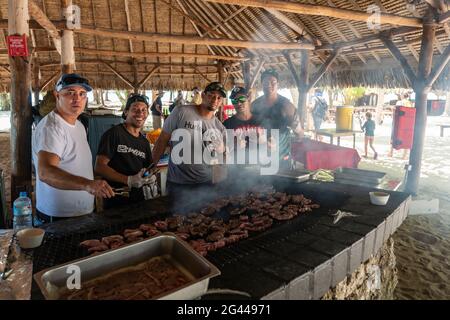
<point x="276" y="263"/>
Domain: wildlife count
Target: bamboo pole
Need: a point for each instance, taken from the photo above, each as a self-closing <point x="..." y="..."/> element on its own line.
<point x="44" y="21"/>
<point x="319" y="10"/>
<point x="21" y="116"/>
<point x="221" y="42"/>
<point x="316" y="77"/>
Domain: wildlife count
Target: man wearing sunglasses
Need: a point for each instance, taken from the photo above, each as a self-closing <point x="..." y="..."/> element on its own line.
<point x="65" y="185"/>
<point x="274" y="111"/>
<point x="193" y="130"/>
<point x="124" y="153"/>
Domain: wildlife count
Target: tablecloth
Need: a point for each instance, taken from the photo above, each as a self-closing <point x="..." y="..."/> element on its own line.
<point x="318" y="155"/>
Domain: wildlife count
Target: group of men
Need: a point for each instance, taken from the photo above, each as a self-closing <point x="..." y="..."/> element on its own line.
<point x="65" y="184"/>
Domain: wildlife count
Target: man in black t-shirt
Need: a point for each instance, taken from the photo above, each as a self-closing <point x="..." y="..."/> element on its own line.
<point x="244" y="125"/>
<point x="277" y="112"/>
<point x="156" y="110"/>
<point x="124" y="153"/>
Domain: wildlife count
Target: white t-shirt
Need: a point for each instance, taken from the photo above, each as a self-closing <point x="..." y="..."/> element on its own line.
<point x="69" y="142"/>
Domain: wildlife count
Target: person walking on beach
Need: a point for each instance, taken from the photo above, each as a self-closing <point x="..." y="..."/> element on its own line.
<point x="369" y="128"/>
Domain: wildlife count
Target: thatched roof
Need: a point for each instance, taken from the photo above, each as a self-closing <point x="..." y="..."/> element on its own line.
<point x="358" y="65"/>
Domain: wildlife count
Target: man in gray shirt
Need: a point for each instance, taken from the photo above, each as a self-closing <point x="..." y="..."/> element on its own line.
<point x="195" y="136"/>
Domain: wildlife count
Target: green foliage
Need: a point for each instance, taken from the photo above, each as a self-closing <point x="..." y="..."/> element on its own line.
<point x="351" y="95"/>
<point x="5" y="103"/>
<point x="122" y="95"/>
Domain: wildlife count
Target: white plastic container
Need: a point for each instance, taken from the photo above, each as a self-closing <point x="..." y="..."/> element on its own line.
<point x="379" y="198"/>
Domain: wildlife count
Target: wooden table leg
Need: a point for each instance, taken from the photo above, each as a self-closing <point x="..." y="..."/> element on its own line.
<point x="338" y="141"/>
<point x="442" y="131"/>
<point x="354" y="141"/>
<point x="331" y="139"/>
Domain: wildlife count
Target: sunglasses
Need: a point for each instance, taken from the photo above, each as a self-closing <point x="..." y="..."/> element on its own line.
<point x="241" y="99"/>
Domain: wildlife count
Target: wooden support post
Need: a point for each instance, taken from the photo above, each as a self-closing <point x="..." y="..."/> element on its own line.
<point x="67" y="45"/>
<point x="304" y="85"/>
<point x="36" y="82"/>
<point x="246" y="72"/>
<point x="220" y="69"/>
<point x="21" y="117"/>
<point x="421" y="90"/>
<point x="135" y="77"/>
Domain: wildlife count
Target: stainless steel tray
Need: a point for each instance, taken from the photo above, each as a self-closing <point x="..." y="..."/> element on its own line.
<point x="52" y="280"/>
<point x="298" y="175"/>
<point x="364" y="176"/>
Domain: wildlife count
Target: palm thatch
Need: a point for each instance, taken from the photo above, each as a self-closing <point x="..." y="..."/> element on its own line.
<point x="366" y="64"/>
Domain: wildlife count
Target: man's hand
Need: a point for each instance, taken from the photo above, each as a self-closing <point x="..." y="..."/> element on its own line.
<point x="100" y="188"/>
<point x="150" y="179"/>
<point x="137" y="180"/>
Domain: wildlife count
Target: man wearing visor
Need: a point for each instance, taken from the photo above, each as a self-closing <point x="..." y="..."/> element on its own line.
<point x="124" y="153"/>
<point x="65" y="185"/>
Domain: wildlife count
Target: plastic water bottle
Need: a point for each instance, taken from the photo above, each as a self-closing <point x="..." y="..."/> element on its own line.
<point x="23" y="216"/>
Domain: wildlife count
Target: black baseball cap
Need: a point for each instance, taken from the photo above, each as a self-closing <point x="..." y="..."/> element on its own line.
<point x="237" y="91"/>
<point x="270" y="72"/>
<point x="216" y="86"/>
<point x="71" y="80"/>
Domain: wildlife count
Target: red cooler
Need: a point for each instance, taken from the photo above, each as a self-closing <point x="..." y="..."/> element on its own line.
<point x="403" y="127"/>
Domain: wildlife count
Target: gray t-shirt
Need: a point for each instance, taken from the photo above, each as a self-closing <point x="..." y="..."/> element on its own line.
<point x="194" y="140"/>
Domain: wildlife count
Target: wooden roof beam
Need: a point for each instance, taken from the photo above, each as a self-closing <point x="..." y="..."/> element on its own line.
<point x="320" y="10"/>
<point x="148" y="76"/>
<point x="127" y="54"/>
<point x="316" y="77"/>
<point x="42" y="19"/>
<point x="375" y="37"/>
<point x="439" y="67"/>
<point x="295" y="25"/>
<point x="118" y="74"/>
<point x="221" y="42"/>
<point x="401" y="59"/>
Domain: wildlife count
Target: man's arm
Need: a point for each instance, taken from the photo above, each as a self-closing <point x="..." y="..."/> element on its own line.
<point x="102" y="168"/>
<point x="290" y="112"/>
<point x="51" y="174"/>
<point x="160" y="146"/>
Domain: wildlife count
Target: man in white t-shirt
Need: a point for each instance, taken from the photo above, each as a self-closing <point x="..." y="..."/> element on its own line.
<point x="65" y="185"/>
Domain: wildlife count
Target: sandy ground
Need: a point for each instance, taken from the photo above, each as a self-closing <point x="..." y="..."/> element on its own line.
<point x="422" y="243"/>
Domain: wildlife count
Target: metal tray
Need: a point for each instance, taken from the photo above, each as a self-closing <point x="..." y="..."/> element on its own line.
<point x="374" y="177"/>
<point x="298" y="175"/>
<point x="51" y="280"/>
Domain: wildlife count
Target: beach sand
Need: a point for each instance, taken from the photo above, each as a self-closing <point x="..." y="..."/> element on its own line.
<point x="422" y="243"/>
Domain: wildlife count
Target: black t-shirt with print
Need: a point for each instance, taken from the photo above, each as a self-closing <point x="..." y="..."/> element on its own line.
<point x="128" y="154"/>
<point x="237" y="124"/>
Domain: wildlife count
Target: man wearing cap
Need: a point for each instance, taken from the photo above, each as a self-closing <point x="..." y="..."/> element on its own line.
<point x="193" y="133"/>
<point x="157" y="110"/>
<point x="65" y="185"/>
<point x="274" y="111"/>
<point x="124" y="153"/>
